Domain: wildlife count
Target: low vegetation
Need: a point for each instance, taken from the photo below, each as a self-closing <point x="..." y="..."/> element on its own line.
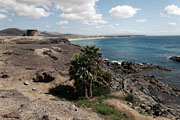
<point x="130" y="98"/>
<point x="108" y="111"/>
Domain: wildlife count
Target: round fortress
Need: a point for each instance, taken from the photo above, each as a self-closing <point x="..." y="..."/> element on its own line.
<point x="32" y="33"/>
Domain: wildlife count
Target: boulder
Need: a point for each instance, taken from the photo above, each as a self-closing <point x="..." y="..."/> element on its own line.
<point x="4" y="76"/>
<point x="26" y="83"/>
<point x="44" y="76"/>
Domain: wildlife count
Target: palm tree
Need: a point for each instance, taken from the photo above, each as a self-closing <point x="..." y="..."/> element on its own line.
<point x="84" y="69"/>
<point x="95" y="61"/>
<point x="78" y="72"/>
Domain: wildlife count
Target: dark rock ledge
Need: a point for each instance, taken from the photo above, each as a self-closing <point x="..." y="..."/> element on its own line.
<point x="175" y="58"/>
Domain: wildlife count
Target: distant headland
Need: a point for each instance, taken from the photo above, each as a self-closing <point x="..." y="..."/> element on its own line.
<point x="34" y="32"/>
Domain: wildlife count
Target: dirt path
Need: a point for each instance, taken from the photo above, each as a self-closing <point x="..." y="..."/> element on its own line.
<point x="133" y="114"/>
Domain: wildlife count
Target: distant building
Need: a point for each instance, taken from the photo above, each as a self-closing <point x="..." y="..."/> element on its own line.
<point x="32" y="33"/>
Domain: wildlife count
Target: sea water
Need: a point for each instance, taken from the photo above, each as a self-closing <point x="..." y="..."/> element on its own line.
<point x="142" y="49"/>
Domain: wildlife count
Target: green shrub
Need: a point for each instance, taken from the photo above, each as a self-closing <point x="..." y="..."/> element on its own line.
<point x="99" y="91"/>
<point x="105" y="109"/>
<point x="58" y="99"/>
<point x="86" y="103"/>
<point x="97" y="104"/>
<point x="130" y="98"/>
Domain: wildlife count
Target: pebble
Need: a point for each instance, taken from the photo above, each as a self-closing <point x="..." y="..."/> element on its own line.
<point x="34" y="89"/>
<point x="26" y="83"/>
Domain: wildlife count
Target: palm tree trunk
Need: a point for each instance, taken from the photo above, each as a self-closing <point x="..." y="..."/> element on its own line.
<point x="85" y="90"/>
<point x="90" y="88"/>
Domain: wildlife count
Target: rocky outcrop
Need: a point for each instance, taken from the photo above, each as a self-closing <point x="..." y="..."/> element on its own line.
<point x="155" y="97"/>
<point x="175" y="58"/>
<point x="133" y="67"/>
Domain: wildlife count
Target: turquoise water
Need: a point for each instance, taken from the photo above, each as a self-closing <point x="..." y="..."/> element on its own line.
<point x="142" y="49"/>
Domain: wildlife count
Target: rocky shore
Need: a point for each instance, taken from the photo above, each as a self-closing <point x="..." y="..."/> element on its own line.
<point x="155" y="97"/>
<point x="31" y="66"/>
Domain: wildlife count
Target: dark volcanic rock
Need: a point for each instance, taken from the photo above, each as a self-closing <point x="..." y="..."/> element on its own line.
<point x="133" y="67"/>
<point x="155" y="97"/>
<point x="44" y="76"/>
<point x="130" y="67"/>
<point x="4" y="76"/>
<point x="175" y="58"/>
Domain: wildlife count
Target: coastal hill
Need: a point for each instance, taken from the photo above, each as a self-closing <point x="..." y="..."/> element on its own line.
<point x="19" y="32"/>
<point x="34" y="69"/>
<point x="12" y="32"/>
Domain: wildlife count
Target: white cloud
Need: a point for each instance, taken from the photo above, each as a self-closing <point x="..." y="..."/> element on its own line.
<point x="81" y="10"/>
<point x="122" y="12"/>
<point x="44" y="3"/>
<point x="172" y="23"/>
<point x="23" y="9"/>
<point x="2" y="16"/>
<point x="62" y="23"/>
<point x="172" y="10"/>
<point x="141" y="21"/>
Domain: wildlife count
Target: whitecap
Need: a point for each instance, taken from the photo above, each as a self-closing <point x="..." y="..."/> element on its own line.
<point x="119" y="62"/>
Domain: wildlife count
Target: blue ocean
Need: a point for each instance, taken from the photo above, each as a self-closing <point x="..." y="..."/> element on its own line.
<point x="142" y="49"/>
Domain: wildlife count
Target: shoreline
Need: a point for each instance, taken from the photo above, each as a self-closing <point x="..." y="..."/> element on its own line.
<point x="96" y="37"/>
<point x="88" y="38"/>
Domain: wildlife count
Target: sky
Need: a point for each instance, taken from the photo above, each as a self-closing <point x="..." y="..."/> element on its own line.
<point x="93" y="17"/>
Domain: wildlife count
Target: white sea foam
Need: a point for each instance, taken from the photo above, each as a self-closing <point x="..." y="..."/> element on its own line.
<point x="172" y="56"/>
<point x="105" y="59"/>
<point x="88" y="38"/>
<point x="119" y="62"/>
